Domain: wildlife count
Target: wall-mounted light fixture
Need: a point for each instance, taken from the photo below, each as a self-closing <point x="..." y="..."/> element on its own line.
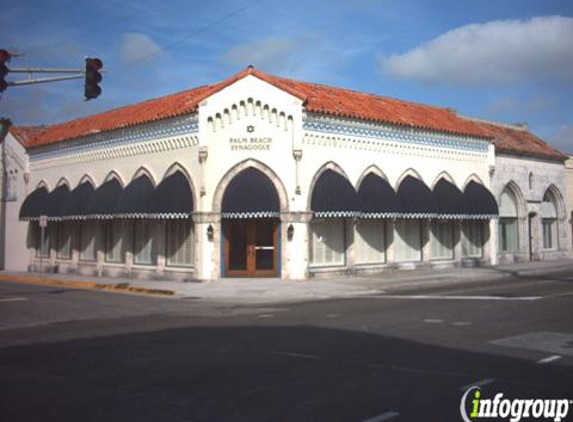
<point x="290" y="232"/>
<point x="210" y="232"/>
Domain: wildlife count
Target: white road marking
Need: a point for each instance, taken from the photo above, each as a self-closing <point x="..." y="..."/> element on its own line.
<point x="433" y="321"/>
<point x="382" y="417"/>
<point x="548" y="360"/>
<point x="544" y="341"/>
<point x="477" y="384"/>
<point x="461" y="323"/>
<point x="12" y="299"/>
<point x="295" y="355"/>
<point x="265" y="316"/>
<point x="434" y="297"/>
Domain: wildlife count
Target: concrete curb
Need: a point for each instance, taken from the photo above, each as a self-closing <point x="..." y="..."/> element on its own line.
<point x="86" y="285"/>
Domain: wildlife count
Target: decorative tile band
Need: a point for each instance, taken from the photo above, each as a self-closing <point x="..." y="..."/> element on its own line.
<point x="345" y="128"/>
<point x="120" y="137"/>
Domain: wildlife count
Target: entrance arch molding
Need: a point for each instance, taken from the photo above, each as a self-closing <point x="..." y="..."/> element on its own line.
<point x="238" y="168"/>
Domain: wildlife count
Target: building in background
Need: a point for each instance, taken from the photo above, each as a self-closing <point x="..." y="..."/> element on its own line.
<point x="261" y="176"/>
<point x="529" y="182"/>
<point x="569" y="172"/>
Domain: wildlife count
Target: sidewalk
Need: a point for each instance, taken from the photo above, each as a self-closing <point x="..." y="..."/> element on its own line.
<point x="258" y="291"/>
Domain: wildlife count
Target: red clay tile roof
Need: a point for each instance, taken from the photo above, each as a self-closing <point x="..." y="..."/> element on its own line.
<point x="316" y="98"/>
<point x="352" y="104"/>
<point x="25" y="133"/>
<point x="513" y="140"/>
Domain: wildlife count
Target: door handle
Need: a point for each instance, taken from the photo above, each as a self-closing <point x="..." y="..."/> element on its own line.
<point x="264" y="248"/>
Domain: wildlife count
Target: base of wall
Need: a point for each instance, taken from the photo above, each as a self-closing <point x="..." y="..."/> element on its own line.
<point x="115" y="271"/>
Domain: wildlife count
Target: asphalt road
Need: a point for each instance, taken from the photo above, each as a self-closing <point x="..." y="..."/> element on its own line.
<point x="407" y="355"/>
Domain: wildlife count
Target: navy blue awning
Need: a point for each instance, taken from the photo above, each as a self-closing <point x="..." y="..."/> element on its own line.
<point x="416" y="199"/>
<point x="250" y="194"/>
<point x="334" y="196"/>
<point x="102" y="203"/>
<point x="479" y="202"/>
<point x="173" y="197"/>
<point x="54" y="205"/>
<point x="34" y="203"/>
<point x="450" y="200"/>
<point x="137" y="199"/>
<point x="75" y="204"/>
<point x="376" y="198"/>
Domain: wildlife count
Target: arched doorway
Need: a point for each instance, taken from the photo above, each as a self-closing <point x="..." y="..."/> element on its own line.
<point x="250" y="213"/>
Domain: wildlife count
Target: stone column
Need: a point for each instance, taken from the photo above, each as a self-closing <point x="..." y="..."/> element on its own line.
<point x="390" y="230"/>
<point x="491" y="241"/>
<point x="349" y="227"/>
<point x="295" y="252"/>
<point x="75" y="245"/>
<point x="425" y="240"/>
<point x="207" y="250"/>
<point x="457" y="228"/>
<point x="159" y="238"/>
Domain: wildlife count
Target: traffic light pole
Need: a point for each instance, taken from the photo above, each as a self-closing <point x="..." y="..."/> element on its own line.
<point x="44" y="70"/>
<point x="43" y="80"/>
<point x="92" y="73"/>
<point x="79" y="73"/>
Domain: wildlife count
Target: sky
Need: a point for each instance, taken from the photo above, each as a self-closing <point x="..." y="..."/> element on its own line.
<point x="509" y="61"/>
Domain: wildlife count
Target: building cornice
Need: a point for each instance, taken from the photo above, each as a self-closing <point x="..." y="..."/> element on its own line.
<point x="153" y="138"/>
<point x="174" y="127"/>
<point x="313" y="122"/>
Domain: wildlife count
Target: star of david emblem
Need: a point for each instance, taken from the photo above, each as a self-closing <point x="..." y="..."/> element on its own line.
<point x="250" y="128"/>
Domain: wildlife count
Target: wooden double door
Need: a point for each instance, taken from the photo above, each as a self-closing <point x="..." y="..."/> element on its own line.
<point x="251" y="248"/>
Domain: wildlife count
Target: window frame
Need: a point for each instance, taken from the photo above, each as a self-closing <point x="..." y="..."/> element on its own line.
<point x="382" y="232"/>
<point x="344" y="260"/>
<point x="434" y="239"/>
<point x="420" y="251"/>
<point x="191" y="238"/>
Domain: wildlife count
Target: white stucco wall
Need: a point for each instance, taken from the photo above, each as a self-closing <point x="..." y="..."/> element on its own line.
<point x="15" y="254"/>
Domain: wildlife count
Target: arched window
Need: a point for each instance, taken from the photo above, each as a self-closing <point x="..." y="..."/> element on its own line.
<point x="549" y="221"/>
<point x="508" y="226"/>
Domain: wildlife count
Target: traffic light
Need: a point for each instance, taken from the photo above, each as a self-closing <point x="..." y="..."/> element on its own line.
<point x="4" y="58"/>
<point x="93" y="78"/>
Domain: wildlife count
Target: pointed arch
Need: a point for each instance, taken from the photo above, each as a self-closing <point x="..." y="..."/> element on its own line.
<point x="330" y="165"/>
<point x="374" y="169"/>
<point x="178" y="167"/>
<point x="174" y="168"/>
<point x="87" y="178"/>
<point x="43" y="184"/>
<point x="472" y="178"/>
<point x="143" y="171"/>
<point x="63" y="181"/>
<point x="513" y="189"/>
<point x="443" y="175"/>
<point x="114" y="175"/>
<point x="238" y="168"/>
<point x="410" y="172"/>
<point x="558" y="200"/>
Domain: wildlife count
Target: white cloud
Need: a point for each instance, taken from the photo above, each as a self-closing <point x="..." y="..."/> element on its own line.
<point x="491" y="53"/>
<point x="136" y="47"/>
